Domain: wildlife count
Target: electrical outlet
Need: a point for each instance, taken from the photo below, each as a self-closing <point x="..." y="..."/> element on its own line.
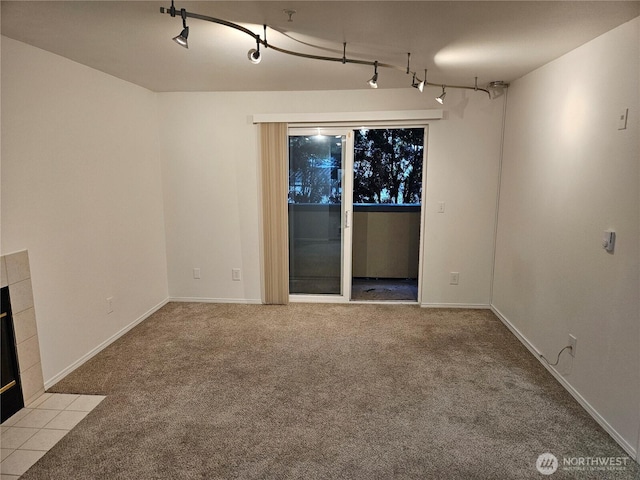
<point x="236" y="275"/>
<point x="573" y="342"/>
<point x="196" y="273"/>
<point x="110" y="305"/>
<point x="454" y="278"/>
<point x="441" y="206"/>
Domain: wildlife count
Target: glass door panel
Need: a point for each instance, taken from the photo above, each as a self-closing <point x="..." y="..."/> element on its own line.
<point x="387" y="213"/>
<point x="316" y="240"/>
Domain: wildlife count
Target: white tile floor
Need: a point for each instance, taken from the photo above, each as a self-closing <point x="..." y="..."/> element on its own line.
<point x="34" y="430"/>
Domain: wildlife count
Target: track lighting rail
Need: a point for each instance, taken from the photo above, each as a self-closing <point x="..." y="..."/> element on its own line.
<point x="182" y="13"/>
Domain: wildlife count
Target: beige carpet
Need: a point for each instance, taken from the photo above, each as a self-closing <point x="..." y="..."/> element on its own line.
<point x="202" y="391"/>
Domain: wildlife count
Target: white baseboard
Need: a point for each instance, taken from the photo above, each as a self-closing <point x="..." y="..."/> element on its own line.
<point x="633" y="453"/>
<point x="482" y="306"/>
<point x="59" y="376"/>
<point x="252" y="301"/>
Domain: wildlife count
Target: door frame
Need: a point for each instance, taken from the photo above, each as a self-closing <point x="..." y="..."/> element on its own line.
<point x="346" y="129"/>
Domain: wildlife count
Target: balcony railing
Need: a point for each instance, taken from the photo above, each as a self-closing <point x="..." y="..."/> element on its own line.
<point x="385" y="240"/>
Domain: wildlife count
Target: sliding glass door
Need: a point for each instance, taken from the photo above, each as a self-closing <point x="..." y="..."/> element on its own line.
<point x="355" y="213"/>
<point x="319" y="213"/>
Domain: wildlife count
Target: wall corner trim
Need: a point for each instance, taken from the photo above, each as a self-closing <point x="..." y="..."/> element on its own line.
<point x="93" y="352"/>
<point x="567" y="386"/>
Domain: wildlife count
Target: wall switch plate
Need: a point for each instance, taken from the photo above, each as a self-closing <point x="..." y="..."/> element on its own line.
<point x="441" y="207"/>
<point x="110" y="305"/>
<point x="196" y="273"/>
<point x="573" y="342"/>
<point x="609" y="240"/>
<point x="454" y="278"/>
<point x="236" y="276"/>
<point x="622" y="119"/>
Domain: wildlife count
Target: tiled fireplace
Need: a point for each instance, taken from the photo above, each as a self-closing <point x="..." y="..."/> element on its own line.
<point x="16" y="275"/>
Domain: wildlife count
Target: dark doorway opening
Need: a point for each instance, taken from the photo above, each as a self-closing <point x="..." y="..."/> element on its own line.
<point x="387" y="212"/>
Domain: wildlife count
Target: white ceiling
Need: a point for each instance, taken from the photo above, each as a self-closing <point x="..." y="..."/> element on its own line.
<point x="456" y="41"/>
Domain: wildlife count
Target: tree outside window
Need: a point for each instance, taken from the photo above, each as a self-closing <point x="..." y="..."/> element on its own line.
<point x="314" y="169"/>
<point x="388" y="166"/>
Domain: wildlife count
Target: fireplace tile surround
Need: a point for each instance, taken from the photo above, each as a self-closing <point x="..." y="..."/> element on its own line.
<point x="16" y="274"/>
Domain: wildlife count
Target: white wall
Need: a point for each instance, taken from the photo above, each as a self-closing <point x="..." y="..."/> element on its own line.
<point x="462" y="171"/>
<point x="568" y="175"/>
<point x="81" y="190"/>
<point x="209" y="148"/>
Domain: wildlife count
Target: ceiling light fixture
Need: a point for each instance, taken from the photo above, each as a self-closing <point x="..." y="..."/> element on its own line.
<point x="440" y="99"/>
<point x="373" y="82"/>
<point x="498" y="84"/>
<point x="497" y="88"/>
<point x="182" y="38"/>
<point x="255" y="56"/>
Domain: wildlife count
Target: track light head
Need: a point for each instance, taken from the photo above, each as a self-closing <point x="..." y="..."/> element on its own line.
<point x="182" y="38"/>
<point x="254" y="56"/>
<point x="184" y="34"/>
<point x="373" y="82"/>
<point x="440" y="99"/>
<point x="418" y="85"/>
